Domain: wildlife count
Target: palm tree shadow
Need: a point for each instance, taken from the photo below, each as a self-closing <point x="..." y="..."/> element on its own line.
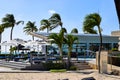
<point x="112" y="76"/>
<point x="86" y="72"/>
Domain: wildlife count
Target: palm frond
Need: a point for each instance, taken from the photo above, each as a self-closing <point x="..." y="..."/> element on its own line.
<point x="1" y="29"/>
<point x="55" y="21"/>
<point x="74" y="30"/>
<point x="30" y="27"/>
<point x="17" y="23"/>
<point x="90" y="22"/>
<point x="44" y="24"/>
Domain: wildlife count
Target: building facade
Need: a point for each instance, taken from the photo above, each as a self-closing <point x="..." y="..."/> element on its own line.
<point x="92" y="42"/>
<point x="87" y="42"/>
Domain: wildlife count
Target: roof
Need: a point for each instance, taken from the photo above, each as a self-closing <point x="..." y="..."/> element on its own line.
<point x="45" y="35"/>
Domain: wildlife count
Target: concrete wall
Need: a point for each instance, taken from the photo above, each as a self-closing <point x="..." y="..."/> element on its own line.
<point x="103" y="61"/>
<point x="105" y="67"/>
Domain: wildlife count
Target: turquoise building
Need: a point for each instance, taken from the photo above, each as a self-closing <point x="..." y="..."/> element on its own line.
<point x="87" y="42"/>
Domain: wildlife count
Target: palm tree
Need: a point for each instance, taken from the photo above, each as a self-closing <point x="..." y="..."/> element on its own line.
<point x="55" y="21"/>
<point x="69" y="40"/>
<point x="30" y="27"/>
<point x="74" y="30"/>
<point x="9" y="22"/>
<point x="58" y="39"/>
<point x="45" y="24"/>
<point x="63" y="30"/>
<point x="89" y="23"/>
<point x="1" y="31"/>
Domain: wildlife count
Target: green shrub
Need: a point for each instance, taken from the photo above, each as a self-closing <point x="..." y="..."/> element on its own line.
<point x="51" y="65"/>
<point x="58" y="70"/>
<point x="114" y="49"/>
<point x="73" y="68"/>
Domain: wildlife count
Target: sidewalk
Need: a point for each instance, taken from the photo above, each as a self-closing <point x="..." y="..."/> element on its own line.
<point x="44" y="75"/>
<point x="6" y="69"/>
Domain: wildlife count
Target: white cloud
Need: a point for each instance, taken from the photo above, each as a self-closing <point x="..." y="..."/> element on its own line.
<point x="51" y="11"/>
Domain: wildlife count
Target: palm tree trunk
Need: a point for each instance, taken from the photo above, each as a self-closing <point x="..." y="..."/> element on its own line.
<point x="48" y="30"/>
<point x="69" y="59"/>
<point x="11" y="33"/>
<point x="60" y="49"/>
<point x="100" y="47"/>
<point x="33" y="38"/>
<point x="11" y="39"/>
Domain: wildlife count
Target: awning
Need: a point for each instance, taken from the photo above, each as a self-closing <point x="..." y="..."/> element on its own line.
<point x="39" y="36"/>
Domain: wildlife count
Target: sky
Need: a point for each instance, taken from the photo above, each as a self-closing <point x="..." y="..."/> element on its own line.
<point x="72" y="13"/>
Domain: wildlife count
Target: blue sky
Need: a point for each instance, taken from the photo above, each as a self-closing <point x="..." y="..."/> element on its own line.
<point x="72" y="13"/>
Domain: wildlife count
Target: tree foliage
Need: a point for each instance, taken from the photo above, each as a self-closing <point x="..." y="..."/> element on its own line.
<point x="9" y="22"/>
<point x="30" y="27"/>
<point x="89" y="23"/>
